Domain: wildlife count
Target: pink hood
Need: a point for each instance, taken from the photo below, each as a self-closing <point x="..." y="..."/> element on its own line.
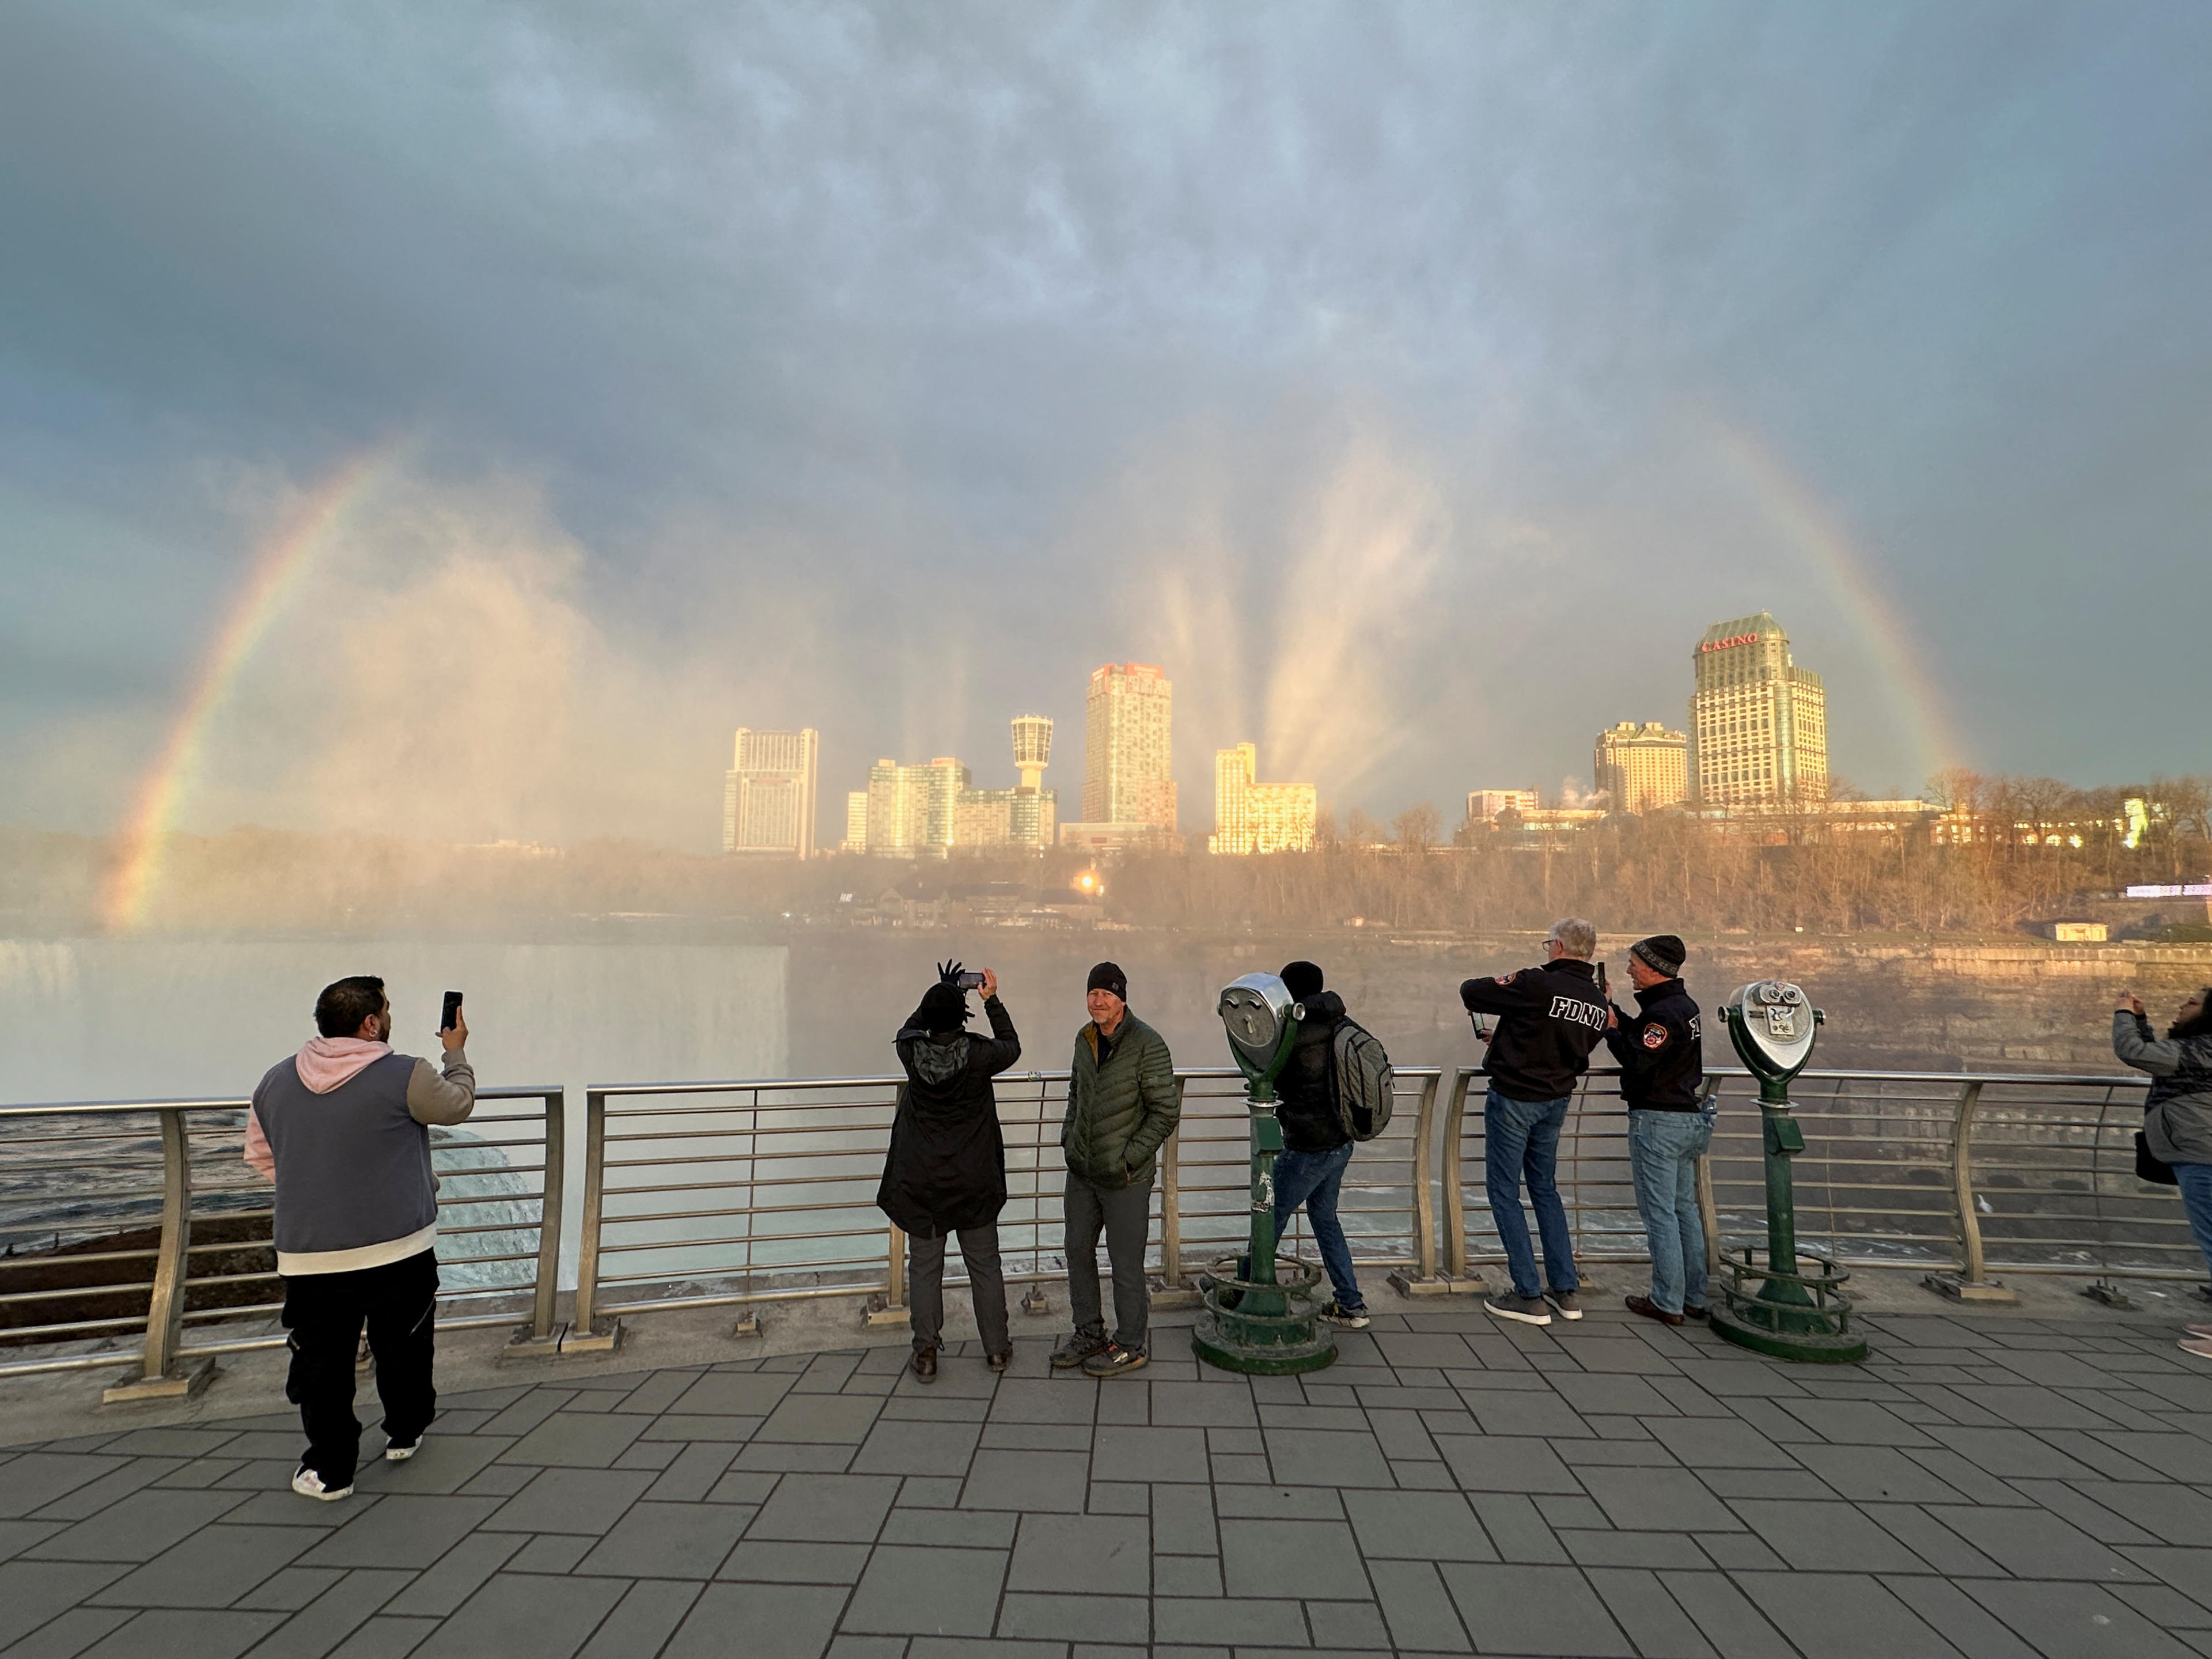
<point x="326" y="1062"/>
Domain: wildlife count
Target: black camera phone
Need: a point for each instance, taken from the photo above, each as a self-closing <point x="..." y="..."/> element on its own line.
<point x="452" y="1016"/>
<point x="969" y="981"/>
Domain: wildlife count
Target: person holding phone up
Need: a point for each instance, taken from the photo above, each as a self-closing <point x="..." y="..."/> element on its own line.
<point x="2178" y="1112"/>
<point x="945" y="1171"/>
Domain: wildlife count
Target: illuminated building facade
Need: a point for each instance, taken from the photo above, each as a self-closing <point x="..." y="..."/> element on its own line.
<point x="1759" y="724"/>
<point x="1483" y="805"/>
<point x="1251" y="817"/>
<point x="1643" y="768"/>
<point x="912" y="812"/>
<point x="768" y="794"/>
<point x="1129" y="775"/>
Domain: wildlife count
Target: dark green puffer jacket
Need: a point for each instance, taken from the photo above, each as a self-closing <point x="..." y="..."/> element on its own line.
<point x="1118" y="1116"/>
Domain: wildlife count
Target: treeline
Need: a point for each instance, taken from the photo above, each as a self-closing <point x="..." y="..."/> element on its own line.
<point x="2008" y="851"/>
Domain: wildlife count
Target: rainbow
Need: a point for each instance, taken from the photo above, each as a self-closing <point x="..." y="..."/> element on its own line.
<point x="1845" y="570"/>
<point x="278" y="567"/>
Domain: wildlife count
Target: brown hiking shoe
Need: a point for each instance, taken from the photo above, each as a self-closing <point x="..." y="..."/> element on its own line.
<point x="1650" y="1309"/>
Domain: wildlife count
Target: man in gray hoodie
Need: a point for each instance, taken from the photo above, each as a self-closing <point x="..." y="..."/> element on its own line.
<point x="342" y="1128"/>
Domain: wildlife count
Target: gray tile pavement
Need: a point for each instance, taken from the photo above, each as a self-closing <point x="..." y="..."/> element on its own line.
<point x="1988" y="1487"/>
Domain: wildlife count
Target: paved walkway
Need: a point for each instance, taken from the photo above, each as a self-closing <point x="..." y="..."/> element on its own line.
<point x="1988" y="1487"/>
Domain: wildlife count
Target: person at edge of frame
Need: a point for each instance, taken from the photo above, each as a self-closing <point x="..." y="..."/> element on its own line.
<point x="1660" y="1051"/>
<point x="342" y="1128"/>
<point x="1122" y="1104"/>
<point x="945" y="1171"/>
<point x="1549" y="1019"/>
<point x="1318" y="1150"/>
<point x="2177" y="1115"/>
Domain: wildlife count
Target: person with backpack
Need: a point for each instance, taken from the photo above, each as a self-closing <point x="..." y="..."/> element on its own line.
<point x="1549" y="1019"/>
<point x="1317" y="1146"/>
<point x="945" y="1170"/>
<point x="1670" y="1123"/>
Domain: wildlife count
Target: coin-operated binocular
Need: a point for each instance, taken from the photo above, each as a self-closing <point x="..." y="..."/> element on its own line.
<point x="1262" y="1314"/>
<point x="1775" y="1308"/>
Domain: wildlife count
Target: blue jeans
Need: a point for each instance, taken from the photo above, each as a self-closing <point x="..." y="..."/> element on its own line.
<point x="1663" y="1150"/>
<point x="1314" y="1179"/>
<point x="2196" y="1182"/>
<point x="1521" y="1137"/>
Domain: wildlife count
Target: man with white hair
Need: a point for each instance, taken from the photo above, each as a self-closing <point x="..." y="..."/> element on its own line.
<point x="1549" y="1019"/>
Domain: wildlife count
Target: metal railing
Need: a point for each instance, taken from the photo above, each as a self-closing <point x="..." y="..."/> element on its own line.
<point x="144" y="1228"/>
<point x="138" y="1225"/>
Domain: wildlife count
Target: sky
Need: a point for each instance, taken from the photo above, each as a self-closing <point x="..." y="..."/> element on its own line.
<point x="1415" y="383"/>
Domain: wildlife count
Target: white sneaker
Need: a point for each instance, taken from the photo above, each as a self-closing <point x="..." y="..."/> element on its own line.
<point x="396" y="1453"/>
<point x="308" y="1484"/>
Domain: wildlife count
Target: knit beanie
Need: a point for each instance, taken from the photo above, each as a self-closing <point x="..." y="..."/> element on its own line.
<point x="1302" y="979"/>
<point x="1663" y="953"/>
<point x="1108" y="976"/>
<point x="943" y="1008"/>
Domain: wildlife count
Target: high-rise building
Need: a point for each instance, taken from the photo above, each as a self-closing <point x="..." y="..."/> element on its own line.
<point x="768" y="794"/>
<point x="1128" y="772"/>
<point x="912" y="812"/>
<point x="1251" y="817"/>
<point x="1483" y="805"/>
<point x="1759" y="724"/>
<point x="856" y="822"/>
<point x="1642" y="767"/>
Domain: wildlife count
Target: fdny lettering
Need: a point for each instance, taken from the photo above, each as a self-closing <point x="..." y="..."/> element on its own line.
<point x="1654" y="1036"/>
<point x="1697" y="1028"/>
<point x="1581" y="1013"/>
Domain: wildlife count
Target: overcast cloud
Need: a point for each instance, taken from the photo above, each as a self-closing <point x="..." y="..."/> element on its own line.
<point x="885" y="369"/>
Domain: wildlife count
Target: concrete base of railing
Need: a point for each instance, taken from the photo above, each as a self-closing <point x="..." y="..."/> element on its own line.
<point x="880" y="1314"/>
<point x="525" y="1343"/>
<point x="604" y="1337"/>
<point x="1406" y="1284"/>
<point x="1178" y="1296"/>
<point x="1958" y="1289"/>
<point x="185" y="1381"/>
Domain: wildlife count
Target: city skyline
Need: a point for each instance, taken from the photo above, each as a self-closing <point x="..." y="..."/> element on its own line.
<point x="1757" y="737"/>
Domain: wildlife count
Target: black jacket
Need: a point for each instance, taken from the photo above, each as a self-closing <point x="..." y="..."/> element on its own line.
<point x="1551" y="1018"/>
<point x="946" y="1169"/>
<point x="1306" y="1102"/>
<point x="1661" y="1050"/>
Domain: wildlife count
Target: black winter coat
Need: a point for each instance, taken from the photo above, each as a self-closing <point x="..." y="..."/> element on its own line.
<point x="1306" y="1102"/>
<point x="1553" y="1015"/>
<point x="1661" y="1050"/>
<point x="946" y="1169"/>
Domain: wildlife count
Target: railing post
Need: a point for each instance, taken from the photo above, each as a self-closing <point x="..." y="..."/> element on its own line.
<point x="1972" y="1283"/>
<point x="1709" y="1215"/>
<point x="161" y="1377"/>
<point x="1424" y="1279"/>
<point x="1455" y="1263"/>
<point x="1172" y="1198"/>
<point x="538" y="1339"/>
<point x="584" y="1335"/>
<point x="890" y="1309"/>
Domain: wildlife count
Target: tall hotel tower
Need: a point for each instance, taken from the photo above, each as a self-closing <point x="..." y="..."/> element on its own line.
<point x="1127" y="773"/>
<point x="1759" y="724"/>
<point x="768" y="794"/>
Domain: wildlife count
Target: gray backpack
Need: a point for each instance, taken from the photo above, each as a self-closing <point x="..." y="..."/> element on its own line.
<point x="1365" y="1085"/>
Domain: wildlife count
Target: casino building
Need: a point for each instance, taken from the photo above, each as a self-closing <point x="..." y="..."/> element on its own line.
<point x="1759" y="724"/>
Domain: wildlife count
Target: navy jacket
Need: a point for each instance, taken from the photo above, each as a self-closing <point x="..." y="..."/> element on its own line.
<point x="1550" y="1019"/>
<point x="1661" y="1050"/>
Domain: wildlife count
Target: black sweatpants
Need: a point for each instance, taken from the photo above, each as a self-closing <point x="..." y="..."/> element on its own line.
<point x="324" y="1312"/>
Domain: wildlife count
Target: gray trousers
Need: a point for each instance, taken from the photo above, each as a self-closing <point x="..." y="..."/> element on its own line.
<point x="924" y="1287"/>
<point x="1125" y="1216"/>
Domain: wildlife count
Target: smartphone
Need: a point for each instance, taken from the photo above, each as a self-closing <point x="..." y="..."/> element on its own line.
<point x="971" y="981"/>
<point x="452" y="1016"/>
<point x="1601" y="990"/>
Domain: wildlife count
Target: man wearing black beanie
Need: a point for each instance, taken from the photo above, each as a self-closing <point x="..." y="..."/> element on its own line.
<point x="1122" y="1103"/>
<point x="1670" y="1123"/>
